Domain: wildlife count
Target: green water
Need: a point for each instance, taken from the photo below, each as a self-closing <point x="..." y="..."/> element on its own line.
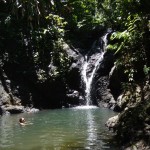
<point x="60" y="129"/>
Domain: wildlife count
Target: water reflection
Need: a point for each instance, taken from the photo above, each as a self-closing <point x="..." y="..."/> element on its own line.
<point x="97" y="136"/>
<point x="91" y="129"/>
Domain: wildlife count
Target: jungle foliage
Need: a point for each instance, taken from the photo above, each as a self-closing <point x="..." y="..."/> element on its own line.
<point x="32" y="33"/>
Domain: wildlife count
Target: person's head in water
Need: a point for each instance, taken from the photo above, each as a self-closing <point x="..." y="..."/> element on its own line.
<point x="22" y="120"/>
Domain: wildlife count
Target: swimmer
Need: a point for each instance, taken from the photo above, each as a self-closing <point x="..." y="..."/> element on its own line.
<point x="22" y="121"/>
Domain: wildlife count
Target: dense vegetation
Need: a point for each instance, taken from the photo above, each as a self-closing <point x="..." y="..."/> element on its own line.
<point x="34" y="31"/>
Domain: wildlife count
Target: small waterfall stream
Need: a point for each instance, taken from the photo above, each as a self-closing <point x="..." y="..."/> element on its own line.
<point x="88" y="78"/>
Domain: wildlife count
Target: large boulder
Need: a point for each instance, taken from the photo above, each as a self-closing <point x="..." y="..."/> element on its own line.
<point x="112" y="122"/>
<point x="133" y="123"/>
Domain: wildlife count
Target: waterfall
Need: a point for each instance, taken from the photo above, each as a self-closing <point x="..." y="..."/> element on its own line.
<point x="88" y="78"/>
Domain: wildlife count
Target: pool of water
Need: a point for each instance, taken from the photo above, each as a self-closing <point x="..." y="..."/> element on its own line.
<point x="78" y="128"/>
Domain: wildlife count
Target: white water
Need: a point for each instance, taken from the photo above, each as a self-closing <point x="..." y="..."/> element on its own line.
<point x="88" y="80"/>
<point x="85" y="107"/>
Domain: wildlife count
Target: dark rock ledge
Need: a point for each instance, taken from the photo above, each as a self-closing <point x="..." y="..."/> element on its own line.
<point x="14" y="109"/>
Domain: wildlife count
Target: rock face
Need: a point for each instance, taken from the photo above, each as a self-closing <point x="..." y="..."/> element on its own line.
<point x="12" y="96"/>
<point x="22" y="87"/>
<point x="4" y="96"/>
<point x="100" y="89"/>
<point x="133" y="123"/>
<point x="73" y="78"/>
<point x="36" y="89"/>
<point x="100" y="92"/>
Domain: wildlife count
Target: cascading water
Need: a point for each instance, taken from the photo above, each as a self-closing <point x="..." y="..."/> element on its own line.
<point x="87" y="79"/>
